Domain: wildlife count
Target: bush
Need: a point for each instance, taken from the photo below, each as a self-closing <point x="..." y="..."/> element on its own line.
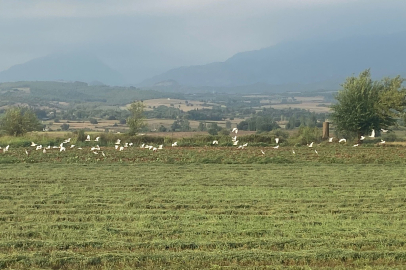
<point x="93" y="121"/>
<point x="162" y="129"/>
<point x="65" y="127"/>
<point x="390" y="137"/>
<point x="212" y="131"/>
<point x="81" y="136"/>
<point x="307" y="135"/>
<point x="224" y="132"/>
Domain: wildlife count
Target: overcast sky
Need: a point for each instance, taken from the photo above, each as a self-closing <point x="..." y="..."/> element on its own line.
<point x="143" y="38"/>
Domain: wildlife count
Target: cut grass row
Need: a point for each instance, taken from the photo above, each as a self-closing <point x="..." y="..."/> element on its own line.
<point x="122" y="216"/>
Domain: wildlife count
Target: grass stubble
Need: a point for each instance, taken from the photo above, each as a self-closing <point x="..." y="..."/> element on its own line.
<point x="124" y="215"/>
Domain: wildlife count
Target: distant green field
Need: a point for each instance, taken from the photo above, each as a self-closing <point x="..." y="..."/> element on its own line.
<point x="218" y="216"/>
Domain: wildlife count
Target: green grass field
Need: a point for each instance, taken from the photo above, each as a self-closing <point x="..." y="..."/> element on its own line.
<point x="303" y="215"/>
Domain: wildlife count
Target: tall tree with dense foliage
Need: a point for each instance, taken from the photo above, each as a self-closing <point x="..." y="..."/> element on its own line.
<point x="19" y="120"/>
<point x="137" y="117"/>
<point x="364" y="104"/>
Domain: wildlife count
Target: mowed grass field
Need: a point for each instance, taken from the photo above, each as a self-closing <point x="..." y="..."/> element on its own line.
<point x="218" y="216"/>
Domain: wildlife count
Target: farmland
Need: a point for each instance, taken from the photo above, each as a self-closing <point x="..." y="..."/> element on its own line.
<point x="326" y="154"/>
<point x="167" y="209"/>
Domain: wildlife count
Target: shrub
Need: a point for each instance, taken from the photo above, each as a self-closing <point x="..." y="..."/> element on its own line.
<point x="93" y="121"/>
<point x="65" y="127"/>
<point x="212" y="131"/>
<point x="390" y="137"/>
<point x="81" y="136"/>
<point x="224" y="132"/>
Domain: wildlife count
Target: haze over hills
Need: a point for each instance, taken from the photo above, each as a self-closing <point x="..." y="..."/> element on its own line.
<point x="76" y="66"/>
<point x="302" y="65"/>
<point x="293" y="66"/>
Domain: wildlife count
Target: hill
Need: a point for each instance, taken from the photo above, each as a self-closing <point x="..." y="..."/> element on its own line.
<point x="63" y="67"/>
<point x="42" y="92"/>
<point x="301" y="64"/>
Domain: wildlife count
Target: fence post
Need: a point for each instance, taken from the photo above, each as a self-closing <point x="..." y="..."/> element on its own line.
<point x="326" y="130"/>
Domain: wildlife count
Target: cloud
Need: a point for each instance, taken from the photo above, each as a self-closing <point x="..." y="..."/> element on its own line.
<point x="103" y="8"/>
<point x="142" y="38"/>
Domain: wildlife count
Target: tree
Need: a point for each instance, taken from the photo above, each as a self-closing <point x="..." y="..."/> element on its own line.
<point x="364" y="104"/>
<point x="18" y="120"/>
<point x="94" y="121"/>
<point x="65" y="127"/>
<point x="136" y="119"/>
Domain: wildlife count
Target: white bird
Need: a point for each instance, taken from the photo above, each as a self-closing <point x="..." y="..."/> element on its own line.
<point x="48" y="147"/>
<point x="79" y="148"/>
<point x="97" y="148"/>
<point x="26" y="152"/>
<point x="116" y="146"/>
<point x="55" y="147"/>
<point x="97" y="139"/>
<point x="87" y="138"/>
<point x="121" y="148"/>
<point x="130" y="144"/>
<point x="384" y="130"/>
<point x="330" y="139"/>
<point x="142" y="145"/>
<point x="382" y="141"/>
<point x="235" y="143"/>
<point x="342" y="140"/>
<point x="215" y="142"/>
<point x="33" y="144"/>
<point x="262" y="151"/>
<point x="146" y="146"/>
<point x="175" y="144"/>
<point x="235" y="130"/>
<point x="44" y="151"/>
<point x="154" y="149"/>
<point x="241" y="147"/>
<point x="67" y="140"/>
<point x="160" y="146"/>
<point x="62" y="149"/>
<point x="72" y="146"/>
<point x="104" y="155"/>
<point x="61" y="145"/>
<point x="94" y="152"/>
<point x="316" y="151"/>
<point x="118" y="141"/>
<point x="6" y="149"/>
<point x="234" y="138"/>
<point x="245" y="144"/>
<point x="277" y="140"/>
<point x="126" y="144"/>
<point x="372" y="134"/>
<point x="39" y="147"/>
<point x="276" y="147"/>
<point x="293" y="151"/>
<point x="150" y="147"/>
<point x="355" y="145"/>
<point x="362" y="138"/>
<point x="310" y="145"/>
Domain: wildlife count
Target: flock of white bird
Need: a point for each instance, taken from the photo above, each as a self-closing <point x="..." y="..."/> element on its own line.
<point x="121" y="147"/>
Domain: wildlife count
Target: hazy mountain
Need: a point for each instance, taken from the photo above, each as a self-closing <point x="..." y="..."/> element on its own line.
<point x="63" y="67"/>
<point x="305" y="63"/>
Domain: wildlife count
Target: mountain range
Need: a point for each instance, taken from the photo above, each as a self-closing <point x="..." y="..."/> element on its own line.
<point x="74" y="66"/>
<point x="298" y="63"/>
<point x="290" y="66"/>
